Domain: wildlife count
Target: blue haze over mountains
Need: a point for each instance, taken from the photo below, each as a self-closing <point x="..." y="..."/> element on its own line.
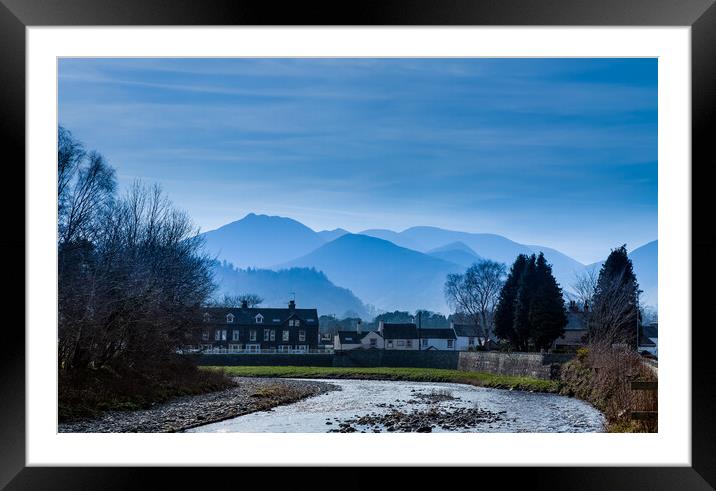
<point x="337" y="271"/>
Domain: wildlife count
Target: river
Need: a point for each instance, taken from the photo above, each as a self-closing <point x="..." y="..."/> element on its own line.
<point x="516" y="411"/>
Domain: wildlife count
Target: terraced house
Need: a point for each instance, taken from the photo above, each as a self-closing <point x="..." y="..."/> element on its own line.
<point x="257" y="329"/>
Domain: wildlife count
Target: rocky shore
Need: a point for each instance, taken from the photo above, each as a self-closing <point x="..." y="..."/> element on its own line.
<point x="437" y="409"/>
<point x="249" y="395"/>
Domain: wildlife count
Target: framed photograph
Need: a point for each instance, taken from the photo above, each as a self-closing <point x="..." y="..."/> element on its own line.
<point x="424" y="234"/>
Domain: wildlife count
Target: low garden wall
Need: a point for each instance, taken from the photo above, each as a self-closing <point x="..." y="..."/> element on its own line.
<point x="271" y="359"/>
<point x="396" y="358"/>
<point x="540" y="365"/>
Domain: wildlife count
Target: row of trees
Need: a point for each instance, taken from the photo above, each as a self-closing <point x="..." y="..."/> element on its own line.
<point x="131" y="274"/>
<point x="530" y="312"/>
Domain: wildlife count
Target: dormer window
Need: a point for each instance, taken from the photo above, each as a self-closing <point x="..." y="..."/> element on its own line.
<point x="207" y="317"/>
<point x="259" y="319"/>
<point x="230" y="318"/>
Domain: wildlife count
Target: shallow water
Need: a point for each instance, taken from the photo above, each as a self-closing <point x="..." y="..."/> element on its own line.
<point x="523" y="411"/>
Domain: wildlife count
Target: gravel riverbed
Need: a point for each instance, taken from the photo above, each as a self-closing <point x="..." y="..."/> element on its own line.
<point x="248" y="396"/>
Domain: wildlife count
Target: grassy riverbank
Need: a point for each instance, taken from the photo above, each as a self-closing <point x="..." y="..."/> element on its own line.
<point x="385" y="373"/>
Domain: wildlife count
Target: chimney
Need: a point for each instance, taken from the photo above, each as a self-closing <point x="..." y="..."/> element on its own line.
<point x="292" y="305"/>
<point x="244" y="304"/>
<point x="380" y="327"/>
<point x="358" y="326"/>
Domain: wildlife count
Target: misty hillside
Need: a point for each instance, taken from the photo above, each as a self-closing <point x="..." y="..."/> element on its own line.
<point x="329" y="235"/>
<point x="489" y="246"/>
<point x="260" y="241"/>
<point x="311" y="287"/>
<point x="382" y="273"/>
<point x="457" y="253"/>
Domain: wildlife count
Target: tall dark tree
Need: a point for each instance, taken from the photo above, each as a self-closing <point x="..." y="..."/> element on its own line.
<point x="505" y="310"/>
<point x="547" y="314"/>
<point x="615" y="307"/>
<point x="530" y="313"/>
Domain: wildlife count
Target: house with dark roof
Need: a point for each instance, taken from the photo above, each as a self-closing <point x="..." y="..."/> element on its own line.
<point x="399" y="336"/>
<point x="467" y="336"/>
<point x="576" y="330"/>
<point x="255" y="329"/>
<point x="442" y="338"/>
<point x="350" y="340"/>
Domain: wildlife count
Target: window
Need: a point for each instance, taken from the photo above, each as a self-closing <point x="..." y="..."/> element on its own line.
<point x="401" y="342"/>
<point x="273" y="334"/>
<point x="301" y="335"/>
<point x="259" y="319"/>
<point x="471" y="341"/>
<point x="267" y="334"/>
<point x="373" y="343"/>
<point x="450" y="343"/>
<point x="205" y="335"/>
<point x="235" y="336"/>
<point x="297" y="323"/>
<point x="223" y="334"/>
<point x="252" y="335"/>
<point x="424" y="342"/>
<point x="229" y="318"/>
<point x="217" y="335"/>
<point x="408" y="343"/>
<point x="285" y="335"/>
<point x="390" y="343"/>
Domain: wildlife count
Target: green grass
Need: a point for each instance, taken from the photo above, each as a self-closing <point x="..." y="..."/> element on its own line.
<point x="384" y="373"/>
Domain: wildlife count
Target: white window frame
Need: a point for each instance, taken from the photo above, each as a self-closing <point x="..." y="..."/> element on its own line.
<point x="217" y="335"/>
<point x="236" y="336"/>
<point x="296" y="322"/>
<point x="267" y="334"/>
<point x="285" y="336"/>
<point x="273" y="334"/>
<point x="223" y="334"/>
<point x="302" y="335"/>
<point x="259" y="319"/>
<point x="229" y="318"/>
<point x="252" y="335"/>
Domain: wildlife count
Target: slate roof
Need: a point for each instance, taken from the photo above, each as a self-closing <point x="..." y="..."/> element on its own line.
<point x="576" y="321"/>
<point x="466" y="330"/>
<point x="400" y="331"/>
<point x="271" y="316"/>
<point x="349" y="337"/>
<point x="437" y="333"/>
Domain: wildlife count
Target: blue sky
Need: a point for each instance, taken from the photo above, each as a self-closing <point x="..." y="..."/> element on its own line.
<point x="556" y="152"/>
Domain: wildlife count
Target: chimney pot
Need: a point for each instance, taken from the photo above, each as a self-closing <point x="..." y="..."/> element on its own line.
<point x="292" y="304"/>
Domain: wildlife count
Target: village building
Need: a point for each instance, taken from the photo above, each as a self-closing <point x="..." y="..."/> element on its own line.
<point x="467" y="336"/>
<point x="649" y="339"/>
<point x="437" y="338"/>
<point x="350" y="340"/>
<point x="399" y="336"/>
<point x="576" y="330"/>
<point x="257" y="329"/>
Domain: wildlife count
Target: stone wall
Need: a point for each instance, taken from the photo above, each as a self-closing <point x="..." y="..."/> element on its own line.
<point x="396" y="358"/>
<point x="540" y="365"/>
<point x="272" y="359"/>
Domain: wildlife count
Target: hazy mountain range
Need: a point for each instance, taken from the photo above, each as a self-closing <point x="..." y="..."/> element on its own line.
<point x="383" y="268"/>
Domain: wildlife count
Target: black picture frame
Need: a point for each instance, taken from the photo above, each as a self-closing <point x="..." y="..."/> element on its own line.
<point x="16" y="15"/>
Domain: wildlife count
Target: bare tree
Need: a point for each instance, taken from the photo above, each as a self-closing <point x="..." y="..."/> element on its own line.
<point x="475" y="293"/>
<point x="614" y="314"/>
<point x="584" y="285"/>
<point x="251" y="299"/>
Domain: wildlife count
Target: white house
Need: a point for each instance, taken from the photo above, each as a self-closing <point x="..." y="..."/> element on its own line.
<point x="437" y="338"/>
<point x="347" y="340"/>
<point x="399" y="336"/>
<point x="466" y="336"/>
